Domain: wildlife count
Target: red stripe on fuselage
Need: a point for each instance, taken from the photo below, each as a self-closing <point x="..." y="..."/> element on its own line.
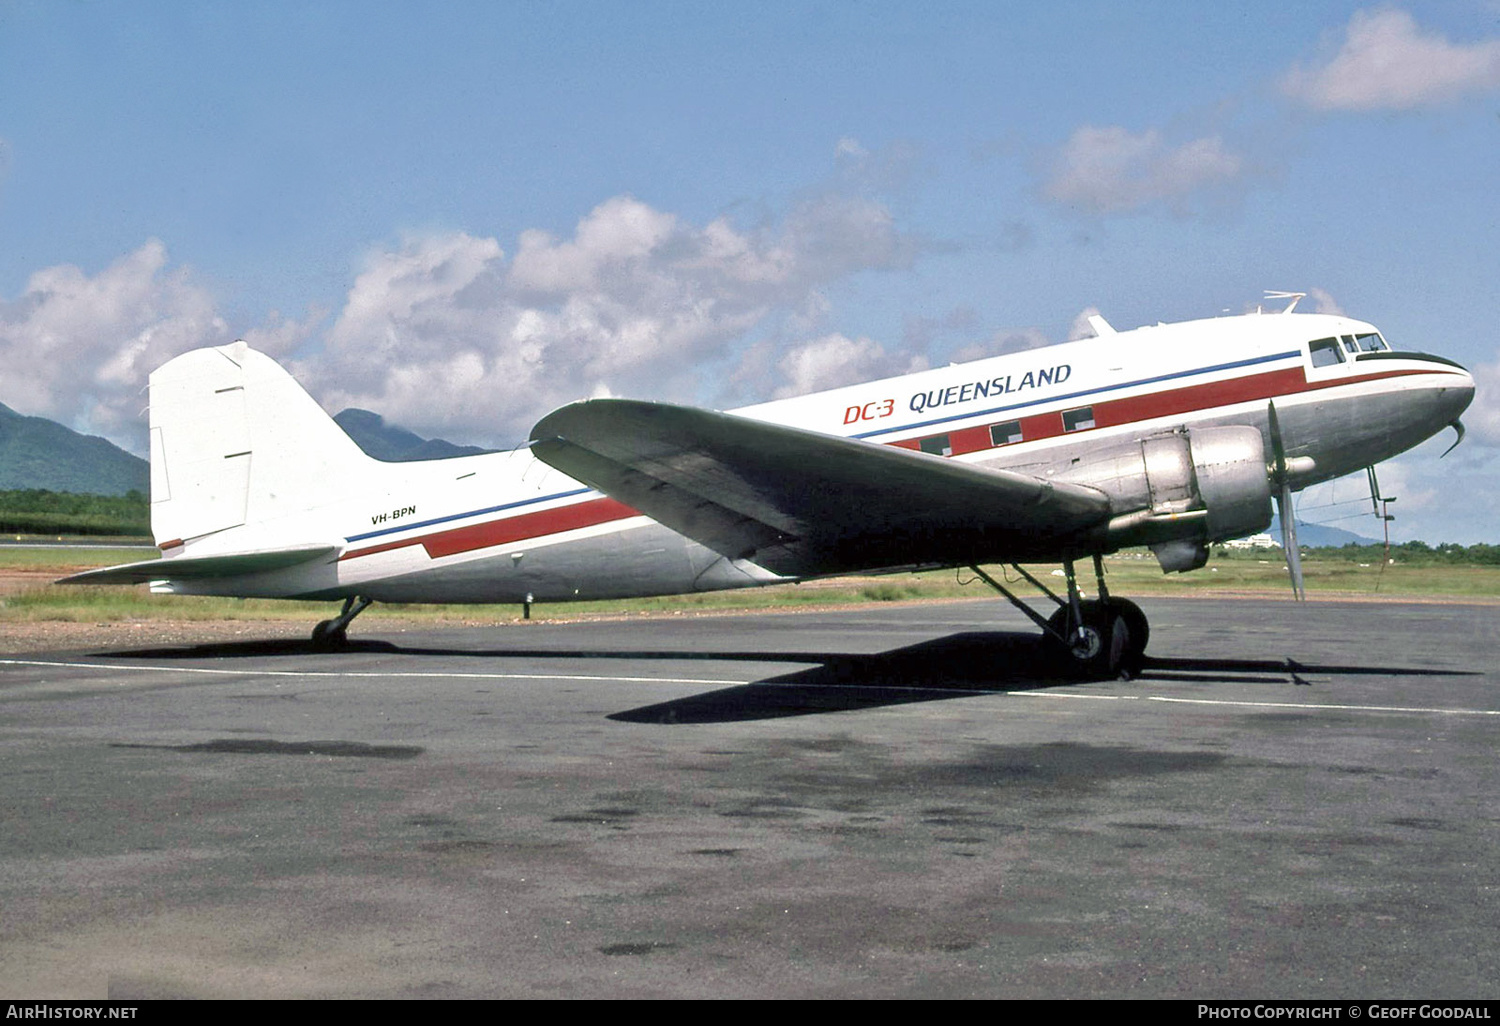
<point x="1170" y="402"/>
<point x="1112" y="413"/>
<point x="501" y="532"/>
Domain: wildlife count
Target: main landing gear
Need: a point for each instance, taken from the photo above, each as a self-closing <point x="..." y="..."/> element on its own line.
<point x="1099" y="638"/>
<point x="332" y="635"/>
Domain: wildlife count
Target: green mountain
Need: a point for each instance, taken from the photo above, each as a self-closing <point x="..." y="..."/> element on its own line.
<point x="1319" y="536"/>
<point x="36" y="453"/>
<point x="40" y="453"/>
<point x="395" y="444"/>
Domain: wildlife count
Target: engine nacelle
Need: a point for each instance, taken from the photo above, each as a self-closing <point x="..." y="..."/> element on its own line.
<point x="1233" y="481"/>
<point x="1180" y="491"/>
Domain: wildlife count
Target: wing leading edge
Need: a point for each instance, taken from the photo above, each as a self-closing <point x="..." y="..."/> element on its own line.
<point x="802" y="503"/>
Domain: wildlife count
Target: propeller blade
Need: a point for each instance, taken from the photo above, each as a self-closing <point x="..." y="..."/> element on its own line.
<point x="1289" y="540"/>
<point x="1278" y="451"/>
<point x="1457" y="426"/>
<point x="1282" y="481"/>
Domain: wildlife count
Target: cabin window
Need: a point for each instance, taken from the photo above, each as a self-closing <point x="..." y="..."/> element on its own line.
<point x="1325" y="352"/>
<point x="1371" y="343"/>
<point x="1008" y="433"/>
<point x="1079" y="419"/>
<point x="937" y="445"/>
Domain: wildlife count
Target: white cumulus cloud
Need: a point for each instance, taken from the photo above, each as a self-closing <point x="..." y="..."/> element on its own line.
<point x="444" y="333"/>
<point x="1111" y="170"/>
<point x="1004" y="341"/>
<point x="77" y="348"/>
<point x="1387" y="63"/>
<point x="1483" y="416"/>
<point x="835" y="360"/>
<point x="1323" y="302"/>
<point x="449" y="335"/>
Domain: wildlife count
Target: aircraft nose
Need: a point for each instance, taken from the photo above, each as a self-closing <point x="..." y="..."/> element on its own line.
<point x="1458" y="396"/>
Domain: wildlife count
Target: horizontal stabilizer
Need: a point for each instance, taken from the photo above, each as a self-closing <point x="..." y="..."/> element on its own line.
<point x="803" y="503"/>
<point x="198" y="568"/>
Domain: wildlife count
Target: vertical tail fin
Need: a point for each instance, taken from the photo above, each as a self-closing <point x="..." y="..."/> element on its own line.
<point x="235" y="441"/>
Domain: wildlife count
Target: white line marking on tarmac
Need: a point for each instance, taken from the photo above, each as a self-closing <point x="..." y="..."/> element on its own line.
<point x="1330" y="708"/>
<point x="363" y="673"/>
<point x="724" y="682"/>
<point x="1304" y="706"/>
<point x="1069" y="694"/>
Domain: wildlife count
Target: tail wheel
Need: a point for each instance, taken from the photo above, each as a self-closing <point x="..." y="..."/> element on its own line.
<point x="329" y="637"/>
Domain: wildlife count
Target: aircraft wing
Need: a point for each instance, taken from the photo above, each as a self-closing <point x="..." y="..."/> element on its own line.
<point x="802" y="503"/>
<point x="198" y="568"/>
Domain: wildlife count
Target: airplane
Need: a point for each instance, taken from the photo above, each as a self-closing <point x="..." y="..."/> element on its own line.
<point x="1171" y="436"/>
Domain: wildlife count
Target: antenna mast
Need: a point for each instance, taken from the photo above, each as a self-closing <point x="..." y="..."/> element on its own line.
<point x="1295" y="297"/>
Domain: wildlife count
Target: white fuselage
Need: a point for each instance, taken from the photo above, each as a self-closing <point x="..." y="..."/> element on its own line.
<point x="504" y="527"/>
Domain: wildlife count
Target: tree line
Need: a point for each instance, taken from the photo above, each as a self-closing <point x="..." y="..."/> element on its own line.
<point x="41" y="511"/>
<point x="1446" y="553"/>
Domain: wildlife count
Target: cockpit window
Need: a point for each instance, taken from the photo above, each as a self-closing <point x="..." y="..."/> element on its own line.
<point x="1371" y="343"/>
<point x="1325" y="352"/>
<point x="1350" y="346"/>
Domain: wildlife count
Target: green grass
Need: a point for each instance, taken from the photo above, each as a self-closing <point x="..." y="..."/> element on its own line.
<point x="65" y="559"/>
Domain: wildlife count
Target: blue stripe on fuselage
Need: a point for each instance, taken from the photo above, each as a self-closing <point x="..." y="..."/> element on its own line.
<point x="1087" y="392"/>
<point x="471" y="513"/>
<point x="868" y="434"/>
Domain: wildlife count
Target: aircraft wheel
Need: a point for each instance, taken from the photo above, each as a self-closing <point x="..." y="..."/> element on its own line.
<point x="1102" y="646"/>
<point x="1138" y="626"/>
<point x="325" y="638"/>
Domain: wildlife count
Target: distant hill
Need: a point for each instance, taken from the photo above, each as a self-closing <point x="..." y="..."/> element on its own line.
<point x="396" y="444"/>
<point x="40" y="453"/>
<point x="36" y="453"/>
<point x="1320" y="536"/>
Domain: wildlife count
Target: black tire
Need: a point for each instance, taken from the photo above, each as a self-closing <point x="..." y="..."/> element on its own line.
<point x="1139" y="627"/>
<point x="1103" y="656"/>
<point x="326" y="639"/>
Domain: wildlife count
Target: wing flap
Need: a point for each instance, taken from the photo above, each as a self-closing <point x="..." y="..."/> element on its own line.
<point x="197" y="568"/>
<point x="801" y="502"/>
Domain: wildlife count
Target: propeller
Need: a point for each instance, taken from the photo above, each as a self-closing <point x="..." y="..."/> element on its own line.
<point x="1282" y="480"/>
<point x="1458" y="427"/>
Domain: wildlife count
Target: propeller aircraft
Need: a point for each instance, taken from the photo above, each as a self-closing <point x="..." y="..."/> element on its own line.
<point x="1170" y="436"/>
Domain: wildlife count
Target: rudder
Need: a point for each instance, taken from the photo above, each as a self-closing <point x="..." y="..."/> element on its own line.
<point x="236" y="441"/>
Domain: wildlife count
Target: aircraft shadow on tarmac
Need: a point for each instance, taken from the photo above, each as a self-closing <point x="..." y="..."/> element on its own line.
<point x="948" y="667"/>
<point x="952" y="667"/>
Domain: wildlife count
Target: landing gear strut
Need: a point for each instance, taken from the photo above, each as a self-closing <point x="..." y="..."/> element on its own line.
<point x="1100" y="638"/>
<point x="332" y="635"/>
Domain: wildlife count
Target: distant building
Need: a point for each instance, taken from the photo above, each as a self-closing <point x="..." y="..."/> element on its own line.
<point x="1255" y="541"/>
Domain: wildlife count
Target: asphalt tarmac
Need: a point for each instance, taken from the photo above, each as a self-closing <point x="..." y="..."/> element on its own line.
<point x="894" y="801"/>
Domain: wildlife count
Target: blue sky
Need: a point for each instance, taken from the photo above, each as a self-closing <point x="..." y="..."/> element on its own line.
<point x="461" y="215"/>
